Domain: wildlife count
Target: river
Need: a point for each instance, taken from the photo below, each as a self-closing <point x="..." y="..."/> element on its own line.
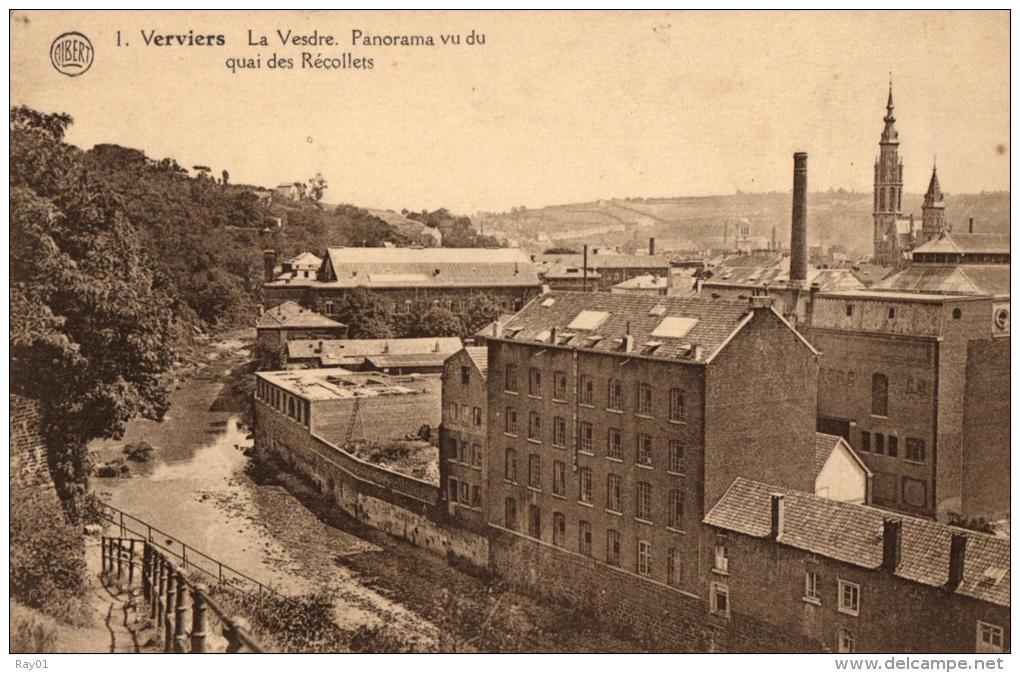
<point x="195" y="489"/>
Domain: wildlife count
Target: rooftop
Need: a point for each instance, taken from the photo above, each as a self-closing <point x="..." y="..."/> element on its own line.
<point x="334" y="384"/>
<point x="853" y="534"/>
<point x="340" y="351"/>
<point x="774" y="269"/>
<point x="890" y="295"/>
<point x="645" y="282"/>
<point x="600" y="321"/>
<point x="824" y="446"/>
<point x="480" y="356"/>
<point x="952" y="242"/>
<point x="981" y="279"/>
<point x="291" y="314"/>
<point x="605" y="261"/>
<point x="305" y="259"/>
<point x="432" y="267"/>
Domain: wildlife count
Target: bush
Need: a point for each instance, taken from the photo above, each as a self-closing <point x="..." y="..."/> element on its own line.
<point x="31" y="633"/>
<point x="140" y="452"/>
<point x="47" y="555"/>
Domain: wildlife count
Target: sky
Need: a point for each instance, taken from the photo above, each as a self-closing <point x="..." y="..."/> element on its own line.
<point x="553" y="108"/>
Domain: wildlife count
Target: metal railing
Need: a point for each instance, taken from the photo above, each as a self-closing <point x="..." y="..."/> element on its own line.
<point x="170" y="596"/>
<point x="189" y="558"/>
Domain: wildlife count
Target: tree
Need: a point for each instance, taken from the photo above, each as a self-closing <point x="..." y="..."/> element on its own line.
<point x="226" y="176"/>
<point x="365" y="314"/>
<point x="560" y="251"/>
<point x="317" y="187"/>
<point x="482" y="309"/>
<point x="439" y="322"/>
<point x="90" y="334"/>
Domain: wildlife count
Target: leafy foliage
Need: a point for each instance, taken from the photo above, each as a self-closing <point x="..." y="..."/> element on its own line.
<point x="47" y="555"/>
<point x="458" y="231"/>
<point x="91" y="324"/>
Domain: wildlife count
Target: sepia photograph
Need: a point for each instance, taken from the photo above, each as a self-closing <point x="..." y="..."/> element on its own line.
<point x="502" y="332"/>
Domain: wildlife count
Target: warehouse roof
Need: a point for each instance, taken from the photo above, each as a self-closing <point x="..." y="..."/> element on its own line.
<point x="290" y="314"/>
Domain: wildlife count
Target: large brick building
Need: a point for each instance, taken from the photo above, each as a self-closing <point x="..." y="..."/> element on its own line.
<point x="899" y="375"/>
<point x="615" y="422"/>
<point x="289" y="321"/>
<point x="407" y="278"/>
<point x="842" y="577"/>
<point x="463" y="436"/>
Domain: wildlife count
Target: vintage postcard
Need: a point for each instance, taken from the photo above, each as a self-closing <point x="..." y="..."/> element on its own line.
<point x="511" y="332"/>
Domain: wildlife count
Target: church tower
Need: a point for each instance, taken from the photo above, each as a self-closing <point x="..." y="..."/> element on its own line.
<point x="888" y="191"/>
<point x="933" y="218"/>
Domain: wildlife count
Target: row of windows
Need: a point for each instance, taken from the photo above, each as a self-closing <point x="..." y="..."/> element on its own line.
<point x="643" y="494"/>
<point x="889" y="445"/>
<point x="464" y="493"/>
<point x="462" y="452"/>
<point x="643" y="558"/>
<point x="463" y="413"/>
<point x="643" y="397"/>
<point x="614" y="448"/>
<point x="294" y="407"/>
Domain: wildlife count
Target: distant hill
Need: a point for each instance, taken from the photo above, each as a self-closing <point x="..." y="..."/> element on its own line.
<point x="835" y="216"/>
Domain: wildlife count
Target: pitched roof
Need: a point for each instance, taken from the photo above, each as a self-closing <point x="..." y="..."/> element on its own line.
<point x="408" y="360"/>
<point x="853" y="534"/>
<point x="341" y="351"/>
<point x="824" y="446"/>
<point x="661" y="326"/>
<point x="480" y="356"/>
<point x="290" y="314"/>
<point x="431" y="267"/>
<point x="774" y="269"/>
<point x="982" y="279"/>
<point x="953" y="242"/>
<point x="306" y="259"/>
<point x="644" y="282"/>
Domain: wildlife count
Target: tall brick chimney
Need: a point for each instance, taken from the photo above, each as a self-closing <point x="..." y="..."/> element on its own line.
<point x="892" y="544"/>
<point x="778" y="516"/>
<point x="651" y="246"/>
<point x="798" y="228"/>
<point x="268" y="265"/>
<point x="957" y="559"/>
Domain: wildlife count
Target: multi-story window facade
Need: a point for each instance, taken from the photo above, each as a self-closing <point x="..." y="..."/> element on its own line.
<point x="463" y="436"/>
<point x="624" y="436"/>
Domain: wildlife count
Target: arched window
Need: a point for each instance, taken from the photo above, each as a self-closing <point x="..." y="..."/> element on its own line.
<point x="879" y="395"/>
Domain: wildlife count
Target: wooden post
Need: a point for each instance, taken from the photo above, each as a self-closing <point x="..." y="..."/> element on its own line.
<point x="146" y="572"/>
<point x="198" y="619"/>
<point x="122" y="524"/>
<point x="169" y="613"/>
<point x="157" y="605"/>
<point x="120" y="562"/>
<point x="131" y="563"/>
<point x="180" y="628"/>
<point x="104" y="553"/>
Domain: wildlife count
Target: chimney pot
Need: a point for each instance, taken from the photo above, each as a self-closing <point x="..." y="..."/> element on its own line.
<point x="970" y="226"/>
<point x="778" y="516"/>
<point x="628" y="343"/>
<point x="798" y="229"/>
<point x="651" y="246"/>
<point x="957" y="559"/>
<point x="892" y="544"/>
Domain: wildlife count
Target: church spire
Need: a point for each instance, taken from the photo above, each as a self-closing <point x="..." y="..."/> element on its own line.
<point x="934" y="193"/>
<point x="889" y="134"/>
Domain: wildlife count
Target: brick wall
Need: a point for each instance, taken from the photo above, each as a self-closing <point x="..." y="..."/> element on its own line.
<point x="462" y="430"/>
<point x="760" y="407"/>
<point x="665" y="618"/>
<point x="392" y="502"/>
<point x="986" y="430"/>
<point x="29" y="462"/>
<point x="381" y="417"/>
<point x="766" y="584"/>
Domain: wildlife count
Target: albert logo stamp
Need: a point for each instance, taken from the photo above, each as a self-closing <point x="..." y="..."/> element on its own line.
<point x="72" y="54"/>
